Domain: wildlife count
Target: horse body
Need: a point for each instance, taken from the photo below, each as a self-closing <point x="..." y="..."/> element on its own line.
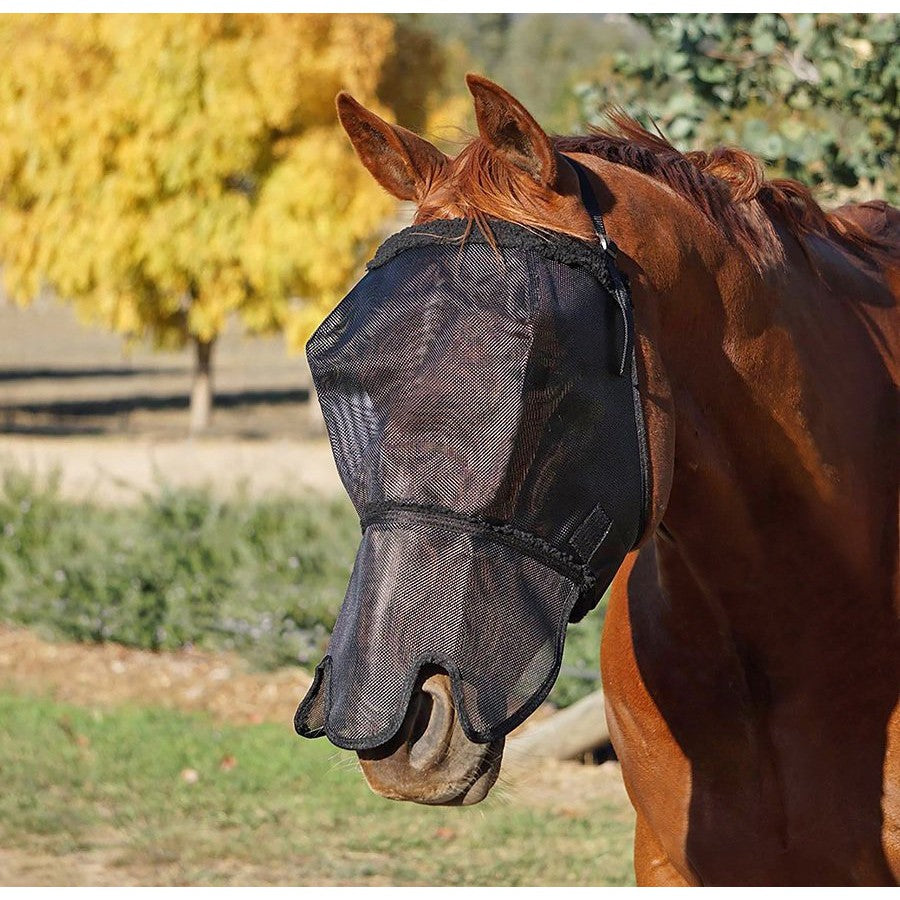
<point x="750" y="655"/>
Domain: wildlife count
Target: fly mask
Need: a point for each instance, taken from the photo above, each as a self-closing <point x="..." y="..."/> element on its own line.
<point x="480" y="394"/>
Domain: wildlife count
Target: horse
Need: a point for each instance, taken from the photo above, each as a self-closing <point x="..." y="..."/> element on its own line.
<point x="750" y="655"/>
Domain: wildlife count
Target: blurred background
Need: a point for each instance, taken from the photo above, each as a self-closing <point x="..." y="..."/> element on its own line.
<point x="178" y="210"/>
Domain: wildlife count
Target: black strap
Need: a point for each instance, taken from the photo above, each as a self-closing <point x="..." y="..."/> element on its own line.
<point x="621" y="291"/>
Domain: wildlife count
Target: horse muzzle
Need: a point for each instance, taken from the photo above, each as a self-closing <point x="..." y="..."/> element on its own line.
<point x="430" y="760"/>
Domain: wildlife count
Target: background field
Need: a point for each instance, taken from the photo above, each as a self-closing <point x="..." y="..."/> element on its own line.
<point x="103" y="791"/>
<point x="179" y="766"/>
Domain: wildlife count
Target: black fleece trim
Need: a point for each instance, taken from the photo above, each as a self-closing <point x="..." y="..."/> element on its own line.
<point x="561" y="248"/>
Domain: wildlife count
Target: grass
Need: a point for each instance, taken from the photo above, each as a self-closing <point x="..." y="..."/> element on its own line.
<point x="265" y="807"/>
<point x="263" y="577"/>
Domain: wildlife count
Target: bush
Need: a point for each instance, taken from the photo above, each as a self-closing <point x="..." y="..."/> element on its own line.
<point x="182" y="567"/>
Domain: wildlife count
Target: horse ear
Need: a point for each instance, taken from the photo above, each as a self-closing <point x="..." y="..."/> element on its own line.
<point x="512" y="131"/>
<point x="403" y="163"/>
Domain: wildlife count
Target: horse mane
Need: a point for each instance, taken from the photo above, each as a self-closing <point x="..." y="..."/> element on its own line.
<point x="723" y="184"/>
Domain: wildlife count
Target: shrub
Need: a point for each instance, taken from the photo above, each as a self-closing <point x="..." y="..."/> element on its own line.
<point x="264" y="577"/>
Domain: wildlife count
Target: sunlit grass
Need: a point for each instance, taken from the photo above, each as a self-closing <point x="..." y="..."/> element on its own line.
<point x="186" y="801"/>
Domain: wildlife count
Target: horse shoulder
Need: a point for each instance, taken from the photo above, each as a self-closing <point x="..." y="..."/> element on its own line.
<point x="655" y="771"/>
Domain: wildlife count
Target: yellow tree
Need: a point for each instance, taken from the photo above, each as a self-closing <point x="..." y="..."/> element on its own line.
<point x="164" y="172"/>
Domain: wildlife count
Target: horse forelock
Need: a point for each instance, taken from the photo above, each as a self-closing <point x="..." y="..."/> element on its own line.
<point x="481" y="185"/>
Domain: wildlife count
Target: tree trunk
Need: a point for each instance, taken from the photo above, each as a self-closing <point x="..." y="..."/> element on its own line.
<point x="202" y="387"/>
<point x="568" y="734"/>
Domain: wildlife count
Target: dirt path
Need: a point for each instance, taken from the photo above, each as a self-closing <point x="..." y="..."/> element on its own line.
<point x="222" y="685"/>
<point x="119" y="470"/>
<point x="110" y="674"/>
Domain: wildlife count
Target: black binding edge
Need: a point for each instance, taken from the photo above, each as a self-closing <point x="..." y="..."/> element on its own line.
<point x="527" y="543"/>
<point x="320" y="682"/>
<point x="552" y="245"/>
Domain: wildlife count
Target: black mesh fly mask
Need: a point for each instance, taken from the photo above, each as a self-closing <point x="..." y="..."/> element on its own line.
<point x="480" y="395"/>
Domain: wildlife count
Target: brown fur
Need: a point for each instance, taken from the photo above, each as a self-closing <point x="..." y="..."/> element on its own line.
<point x="751" y="651"/>
<point x="725" y="184"/>
<point x="484" y="186"/>
<point x="721" y="183"/>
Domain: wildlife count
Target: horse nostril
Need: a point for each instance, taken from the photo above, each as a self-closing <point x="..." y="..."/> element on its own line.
<point x="432" y="726"/>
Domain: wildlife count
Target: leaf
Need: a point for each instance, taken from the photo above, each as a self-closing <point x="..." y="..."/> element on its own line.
<point x="831" y="70"/>
<point x="681" y="127"/>
<point x="772" y="146"/>
<point x="782" y="86"/>
<point x="764" y="43"/>
<point x="792" y="129"/>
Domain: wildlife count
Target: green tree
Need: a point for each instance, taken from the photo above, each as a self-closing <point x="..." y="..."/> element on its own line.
<point x="165" y="172"/>
<point x="814" y="94"/>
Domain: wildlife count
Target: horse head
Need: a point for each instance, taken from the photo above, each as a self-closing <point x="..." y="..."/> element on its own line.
<point x="505" y="423"/>
<point x="481" y="394"/>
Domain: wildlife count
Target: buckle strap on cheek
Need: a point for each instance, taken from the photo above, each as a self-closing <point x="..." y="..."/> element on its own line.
<point x="591" y="534"/>
<point x="621" y="291"/>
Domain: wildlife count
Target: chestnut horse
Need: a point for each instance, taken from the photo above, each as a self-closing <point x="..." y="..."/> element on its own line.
<point x="750" y="657"/>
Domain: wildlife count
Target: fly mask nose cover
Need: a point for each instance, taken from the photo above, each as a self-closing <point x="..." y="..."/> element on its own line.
<point x="495" y="453"/>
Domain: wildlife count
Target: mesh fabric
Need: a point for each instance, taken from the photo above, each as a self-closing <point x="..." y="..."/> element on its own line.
<point x="479" y="424"/>
<point x="390" y="625"/>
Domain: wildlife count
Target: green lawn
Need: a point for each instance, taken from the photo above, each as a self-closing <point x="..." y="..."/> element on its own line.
<point x="110" y="786"/>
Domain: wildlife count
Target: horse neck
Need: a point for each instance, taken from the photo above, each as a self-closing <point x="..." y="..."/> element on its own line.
<point x="773" y="454"/>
